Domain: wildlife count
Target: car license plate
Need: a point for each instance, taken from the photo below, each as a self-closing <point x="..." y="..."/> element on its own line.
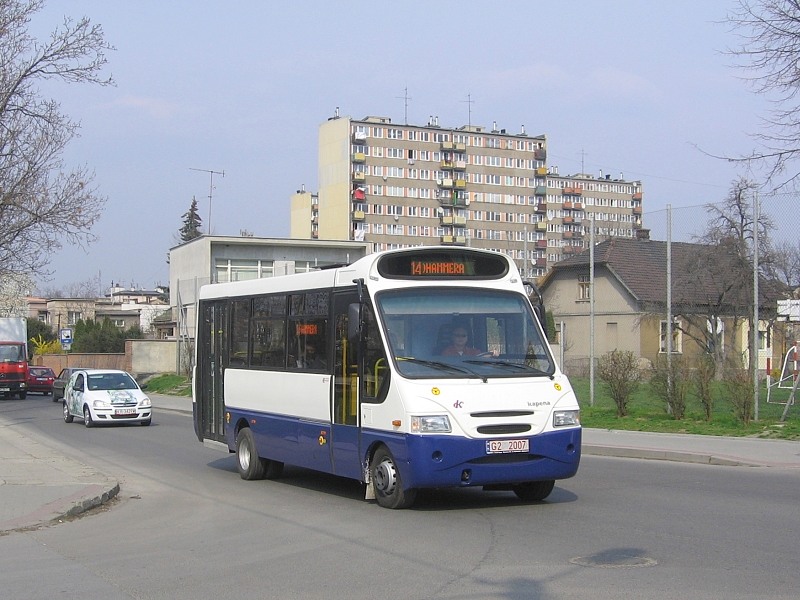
<point x="5" y="389"/>
<point x="124" y="411"/>
<point x="506" y="446"/>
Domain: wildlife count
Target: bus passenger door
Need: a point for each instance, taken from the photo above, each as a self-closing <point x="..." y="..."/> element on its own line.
<point x="345" y="430"/>
<point x="209" y="419"/>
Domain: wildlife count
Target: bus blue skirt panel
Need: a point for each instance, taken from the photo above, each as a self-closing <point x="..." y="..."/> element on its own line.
<point x="427" y="461"/>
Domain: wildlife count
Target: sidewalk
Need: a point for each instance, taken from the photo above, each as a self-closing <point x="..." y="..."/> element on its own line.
<point x="38" y="485"/>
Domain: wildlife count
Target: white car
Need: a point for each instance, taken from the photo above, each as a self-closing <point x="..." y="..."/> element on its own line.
<point x="105" y="396"/>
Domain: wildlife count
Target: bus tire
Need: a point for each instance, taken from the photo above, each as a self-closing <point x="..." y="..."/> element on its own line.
<point x="534" y="491"/>
<point x="249" y="465"/>
<point x="386" y="482"/>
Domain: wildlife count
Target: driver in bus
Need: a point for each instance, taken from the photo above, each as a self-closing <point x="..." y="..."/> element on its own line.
<point x="458" y="344"/>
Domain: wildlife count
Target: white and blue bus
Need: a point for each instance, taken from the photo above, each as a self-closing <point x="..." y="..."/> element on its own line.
<point x="408" y="369"/>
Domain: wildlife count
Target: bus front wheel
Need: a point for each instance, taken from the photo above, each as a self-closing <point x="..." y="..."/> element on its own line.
<point x="534" y="491"/>
<point x="386" y="482"/>
<point x="249" y="465"/>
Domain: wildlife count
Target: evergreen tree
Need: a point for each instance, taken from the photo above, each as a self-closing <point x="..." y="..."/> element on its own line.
<point x="191" y="223"/>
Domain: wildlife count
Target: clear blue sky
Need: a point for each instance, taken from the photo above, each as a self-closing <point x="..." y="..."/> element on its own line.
<point x="629" y="87"/>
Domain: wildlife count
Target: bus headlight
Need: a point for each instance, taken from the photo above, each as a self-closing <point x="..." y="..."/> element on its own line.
<point x="563" y="418"/>
<point x="430" y="424"/>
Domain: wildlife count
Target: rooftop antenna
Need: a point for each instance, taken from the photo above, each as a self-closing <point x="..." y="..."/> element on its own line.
<point x="469" y="102"/>
<point x="583" y="155"/>
<point x="210" y="190"/>
<point x="405" y="98"/>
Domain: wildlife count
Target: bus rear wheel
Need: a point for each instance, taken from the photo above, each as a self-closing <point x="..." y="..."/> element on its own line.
<point x="534" y="491"/>
<point x="386" y="482"/>
<point x="249" y="465"/>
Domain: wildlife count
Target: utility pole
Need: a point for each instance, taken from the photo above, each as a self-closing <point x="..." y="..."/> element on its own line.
<point x="210" y="190"/>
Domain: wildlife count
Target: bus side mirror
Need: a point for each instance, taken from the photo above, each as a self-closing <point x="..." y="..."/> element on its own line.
<point x="354" y="324"/>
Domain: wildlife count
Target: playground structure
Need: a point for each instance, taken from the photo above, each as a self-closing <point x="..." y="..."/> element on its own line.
<point x="788" y="378"/>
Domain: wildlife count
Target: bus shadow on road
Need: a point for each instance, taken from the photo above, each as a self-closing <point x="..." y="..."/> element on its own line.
<point x="427" y="500"/>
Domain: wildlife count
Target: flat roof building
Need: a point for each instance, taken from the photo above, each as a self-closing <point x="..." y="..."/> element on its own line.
<point x="396" y="186"/>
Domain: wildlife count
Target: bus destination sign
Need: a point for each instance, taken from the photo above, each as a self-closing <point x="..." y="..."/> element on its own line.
<point x="437" y="263"/>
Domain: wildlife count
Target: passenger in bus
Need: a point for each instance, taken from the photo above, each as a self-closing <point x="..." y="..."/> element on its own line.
<point x="458" y="344"/>
<point x="311" y="360"/>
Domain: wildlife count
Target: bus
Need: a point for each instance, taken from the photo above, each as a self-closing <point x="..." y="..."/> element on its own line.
<point x="408" y="369"/>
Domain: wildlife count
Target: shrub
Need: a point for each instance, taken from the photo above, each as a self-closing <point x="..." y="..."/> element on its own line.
<point x="739" y="384"/>
<point x="619" y="370"/>
<point x="670" y="381"/>
<point x="703" y="378"/>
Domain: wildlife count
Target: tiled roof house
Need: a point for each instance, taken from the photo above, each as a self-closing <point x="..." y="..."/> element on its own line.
<point x="630" y="299"/>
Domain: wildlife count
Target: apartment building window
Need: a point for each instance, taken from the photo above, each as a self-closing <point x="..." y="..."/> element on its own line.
<point x="377" y="190"/>
<point x="424" y="136"/>
<point x="377" y="170"/>
<point x="413" y="230"/>
<point x="493" y="216"/>
<point x="413" y="192"/>
<point x="492" y="143"/>
<point x="378" y="228"/>
<point x="426" y="231"/>
<point x="394" y="210"/>
<point x="396" y="191"/>
<point x="492" y="161"/>
<point x="477" y="178"/>
<point x="377" y="132"/>
<point x="73" y="316"/>
<point x="377" y="209"/>
<point x="424" y="174"/>
<point x="425" y="193"/>
<point x="441" y="137"/>
<point x="395" y="153"/>
<point x="677" y="338"/>
<point x="394" y="229"/>
<point x="395" y="171"/>
<point x="412" y="135"/>
<point x="493" y="179"/>
<point x="412" y="211"/>
<point x="424" y="212"/>
<point x="394" y="134"/>
<point x="493" y="234"/>
<point x="362" y="206"/>
<point x="424" y="155"/>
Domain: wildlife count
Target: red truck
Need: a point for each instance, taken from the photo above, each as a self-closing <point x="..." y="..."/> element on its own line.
<point x="13" y="357"/>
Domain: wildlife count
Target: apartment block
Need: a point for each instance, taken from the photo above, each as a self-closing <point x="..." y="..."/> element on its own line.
<point x="396" y="186"/>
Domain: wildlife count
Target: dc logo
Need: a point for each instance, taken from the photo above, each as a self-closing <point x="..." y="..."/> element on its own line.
<point x="458" y="404"/>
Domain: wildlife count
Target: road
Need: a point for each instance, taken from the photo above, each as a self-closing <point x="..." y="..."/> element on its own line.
<point x="185" y="526"/>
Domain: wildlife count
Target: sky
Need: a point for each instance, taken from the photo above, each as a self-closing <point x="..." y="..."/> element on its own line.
<point x="632" y="87"/>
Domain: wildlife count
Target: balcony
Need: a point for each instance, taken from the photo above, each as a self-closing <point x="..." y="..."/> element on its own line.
<point x="454" y="240"/>
<point x="568" y="220"/>
<point x="541" y="262"/>
<point x="567" y="204"/>
<point x="447" y="146"/>
<point x="541" y="171"/>
<point x="460" y="147"/>
<point x="359" y="157"/>
<point x="446" y="220"/>
<point x="447" y="165"/>
<point x="461" y="165"/>
<point x="541" y="226"/>
<point x="359" y="194"/>
<point x="637" y="210"/>
<point x="540" y="154"/>
<point x="358" y="215"/>
<point x="461" y="184"/>
<point x="637" y="196"/>
<point x="541" y="208"/>
<point x="446" y="183"/>
<point x="572" y="191"/>
<point x="447" y="239"/>
<point x="541" y="243"/>
<point x="460" y="221"/>
<point x="541" y="190"/>
<point x="359" y="137"/>
<point x="567" y="235"/>
<point x="359" y="176"/>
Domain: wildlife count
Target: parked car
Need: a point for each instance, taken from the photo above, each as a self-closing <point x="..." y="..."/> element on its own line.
<point x="40" y="379"/>
<point x="105" y="396"/>
<point x="60" y="382"/>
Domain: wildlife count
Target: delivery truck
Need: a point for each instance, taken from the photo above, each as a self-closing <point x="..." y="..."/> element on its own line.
<point x="13" y="357"/>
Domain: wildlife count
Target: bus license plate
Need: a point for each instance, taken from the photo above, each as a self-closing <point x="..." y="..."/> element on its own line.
<point x="124" y="411"/>
<point x="506" y="446"/>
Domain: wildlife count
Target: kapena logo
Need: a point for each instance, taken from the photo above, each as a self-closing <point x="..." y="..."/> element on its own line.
<point x="541" y="403"/>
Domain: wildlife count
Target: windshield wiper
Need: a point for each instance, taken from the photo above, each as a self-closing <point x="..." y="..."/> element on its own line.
<point x="442" y="366"/>
<point x="514" y="365"/>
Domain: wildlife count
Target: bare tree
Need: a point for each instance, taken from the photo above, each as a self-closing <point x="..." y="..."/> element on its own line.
<point x="43" y="203"/>
<point x="769" y="51"/>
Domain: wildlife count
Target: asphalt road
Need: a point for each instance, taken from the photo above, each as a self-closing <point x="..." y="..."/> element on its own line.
<point x="185" y="526"/>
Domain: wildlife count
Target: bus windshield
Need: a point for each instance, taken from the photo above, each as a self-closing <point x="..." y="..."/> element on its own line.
<point x="463" y="333"/>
